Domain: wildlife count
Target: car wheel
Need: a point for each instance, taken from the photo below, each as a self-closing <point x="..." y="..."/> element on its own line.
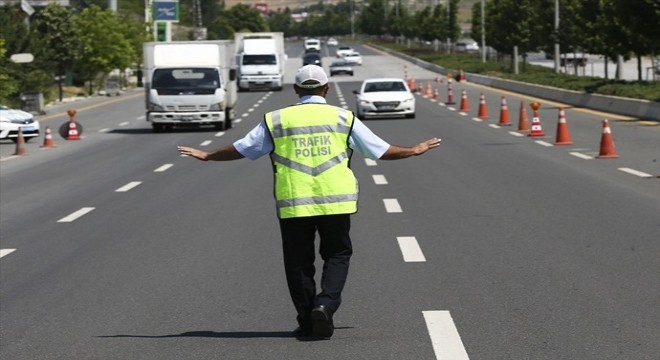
<point x="351" y="73"/>
<point x="410" y="116"/>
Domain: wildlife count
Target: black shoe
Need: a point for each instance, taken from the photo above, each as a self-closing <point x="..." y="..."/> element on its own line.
<point x="322" y="322"/>
<point x="302" y="332"/>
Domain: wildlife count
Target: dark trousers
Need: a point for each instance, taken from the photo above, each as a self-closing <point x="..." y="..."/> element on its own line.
<point x="335" y="248"/>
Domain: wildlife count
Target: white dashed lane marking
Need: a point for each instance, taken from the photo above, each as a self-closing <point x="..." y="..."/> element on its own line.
<point x="635" y="172"/>
<point x="379" y="179"/>
<point x="392" y="206"/>
<point x="164" y="167"/>
<point x="129" y="186"/>
<point x="75" y="215"/>
<point x="447" y="343"/>
<point x="370" y="162"/>
<point x="4" y="252"/>
<point x="410" y="249"/>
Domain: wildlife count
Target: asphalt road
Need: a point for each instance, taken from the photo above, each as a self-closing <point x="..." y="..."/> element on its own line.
<point x="493" y="246"/>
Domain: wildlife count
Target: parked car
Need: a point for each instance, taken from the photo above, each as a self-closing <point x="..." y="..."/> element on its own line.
<point x="466" y="45"/>
<point x="332" y="42"/>
<point x="344" y="50"/>
<point x="341" y="67"/>
<point x="354" y="58"/>
<point x="384" y="97"/>
<point x="11" y="120"/>
<point x="312" y="58"/>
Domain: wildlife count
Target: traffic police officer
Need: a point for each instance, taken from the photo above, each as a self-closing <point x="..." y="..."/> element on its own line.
<point x="310" y="146"/>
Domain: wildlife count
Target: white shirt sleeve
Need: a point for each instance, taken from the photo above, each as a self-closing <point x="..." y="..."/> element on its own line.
<point x="364" y="141"/>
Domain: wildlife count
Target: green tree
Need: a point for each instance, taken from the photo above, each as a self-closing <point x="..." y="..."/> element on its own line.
<point x="372" y="18"/>
<point x="103" y="46"/>
<point x="8" y="85"/>
<point x="244" y="18"/>
<point x="54" y="26"/>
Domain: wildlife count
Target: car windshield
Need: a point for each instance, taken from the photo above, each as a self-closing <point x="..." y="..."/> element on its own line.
<point x="384" y="86"/>
<point x="339" y="63"/>
<point x="259" y="59"/>
<point x="190" y="80"/>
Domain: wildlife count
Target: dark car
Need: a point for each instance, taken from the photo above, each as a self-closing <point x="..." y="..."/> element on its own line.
<point x="312" y="59"/>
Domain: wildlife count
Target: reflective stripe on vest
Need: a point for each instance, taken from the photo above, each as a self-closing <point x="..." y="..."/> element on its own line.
<point x="310" y="158"/>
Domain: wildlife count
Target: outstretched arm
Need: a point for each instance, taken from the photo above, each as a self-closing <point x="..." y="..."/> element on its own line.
<point x="225" y="153"/>
<point x="395" y="152"/>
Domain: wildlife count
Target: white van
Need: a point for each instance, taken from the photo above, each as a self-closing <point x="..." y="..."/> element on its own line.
<point x="313" y="45"/>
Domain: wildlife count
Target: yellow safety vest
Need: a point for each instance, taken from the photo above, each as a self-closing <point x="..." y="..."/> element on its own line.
<point x="311" y="160"/>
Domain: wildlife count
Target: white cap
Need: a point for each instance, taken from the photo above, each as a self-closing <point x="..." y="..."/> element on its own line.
<point x="313" y="74"/>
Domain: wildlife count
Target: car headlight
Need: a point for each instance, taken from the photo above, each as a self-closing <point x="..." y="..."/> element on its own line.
<point x="156" y="107"/>
<point x="408" y="101"/>
<point x="364" y="102"/>
<point x="217" y="107"/>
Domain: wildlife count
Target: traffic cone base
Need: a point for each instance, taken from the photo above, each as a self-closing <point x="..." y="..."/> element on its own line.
<point x="73" y="131"/>
<point x="607" y="149"/>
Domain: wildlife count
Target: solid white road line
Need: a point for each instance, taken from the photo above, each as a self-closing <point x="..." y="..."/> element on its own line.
<point x="410" y="249"/>
<point x="164" y="167"/>
<point x="4" y="252"/>
<point x="379" y="179"/>
<point x="73" y="216"/>
<point x="392" y="206"/>
<point x="370" y="162"/>
<point x="635" y="172"/>
<point x="447" y="343"/>
<point x="128" y="186"/>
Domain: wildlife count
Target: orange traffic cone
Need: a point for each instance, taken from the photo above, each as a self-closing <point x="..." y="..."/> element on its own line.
<point x="20" y="143"/>
<point x="411" y="84"/>
<point x="461" y="76"/>
<point x="48" y="139"/>
<point x="450" y="93"/>
<point x="607" y="150"/>
<point x="504" y="114"/>
<point x="523" y="121"/>
<point x="73" y="128"/>
<point x="536" y="122"/>
<point x="429" y="91"/>
<point x="563" y="136"/>
<point x="420" y="89"/>
<point x="465" y="106"/>
<point x="483" y="109"/>
<point x="436" y="94"/>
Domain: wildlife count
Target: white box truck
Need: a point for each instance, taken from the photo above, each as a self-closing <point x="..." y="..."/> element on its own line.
<point x="189" y="83"/>
<point x="260" y="58"/>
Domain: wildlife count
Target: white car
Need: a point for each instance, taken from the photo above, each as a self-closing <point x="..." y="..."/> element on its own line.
<point x="11" y="120"/>
<point x="344" y="50"/>
<point x="384" y="97"/>
<point x="332" y="42"/>
<point x="354" y="58"/>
